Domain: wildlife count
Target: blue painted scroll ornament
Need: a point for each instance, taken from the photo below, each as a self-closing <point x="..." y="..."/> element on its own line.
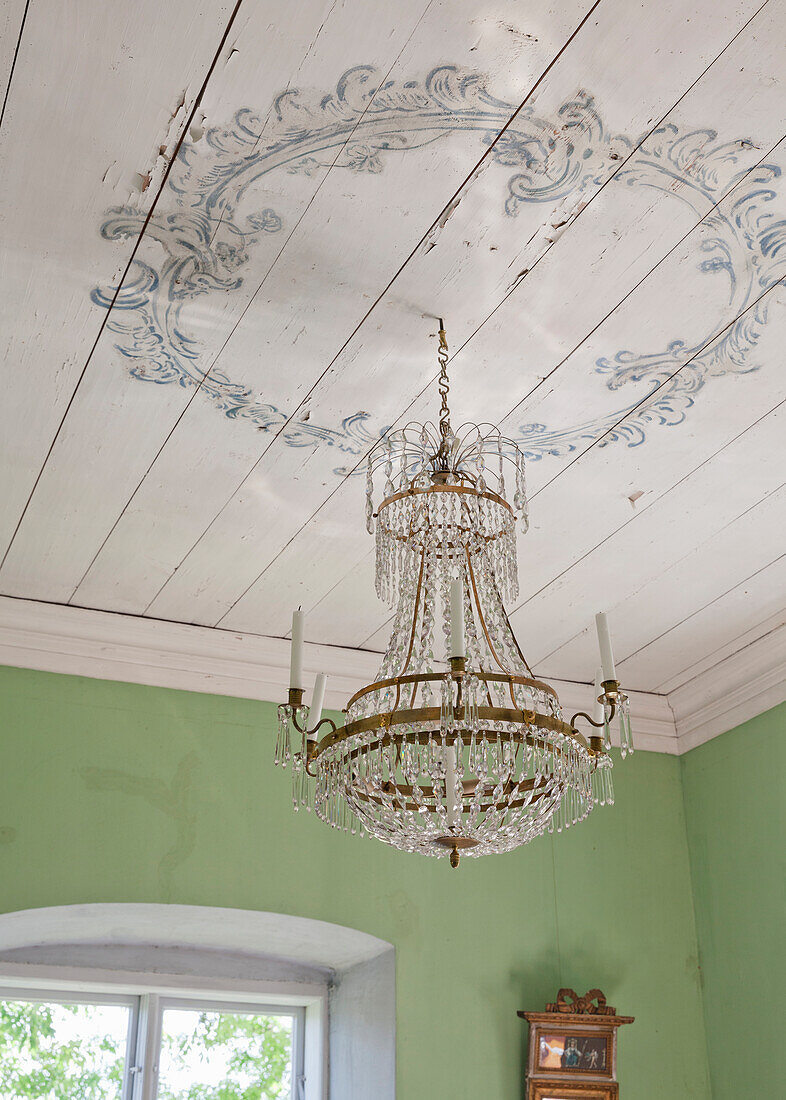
<point x="201" y="247"/>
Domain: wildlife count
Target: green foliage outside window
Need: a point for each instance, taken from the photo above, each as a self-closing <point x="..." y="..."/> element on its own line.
<point x="77" y="1052"/>
<point x="256" y="1049"/>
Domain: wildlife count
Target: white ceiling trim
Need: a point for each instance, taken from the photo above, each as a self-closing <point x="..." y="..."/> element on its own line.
<point x="132" y="649"/>
<point x="108" y="646"/>
<point x="136" y="650"/>
<point x="734" y="690"/>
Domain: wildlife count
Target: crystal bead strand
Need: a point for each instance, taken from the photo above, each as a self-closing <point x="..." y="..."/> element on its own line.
<point x="389" y="489"/>
<point x="480" y="466"/>
<point x="520" y="502"/>
<point x="402" y="472"/>
<point x="370" y="497"/>
<point x="427" y="626"/>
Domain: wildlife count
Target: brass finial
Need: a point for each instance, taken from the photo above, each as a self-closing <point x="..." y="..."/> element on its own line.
<point x="454" y="857"/>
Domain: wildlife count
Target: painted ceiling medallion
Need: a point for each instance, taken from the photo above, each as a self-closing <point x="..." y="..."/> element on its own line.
<point x="202" y="245"/>
<point x="456" y="747"/>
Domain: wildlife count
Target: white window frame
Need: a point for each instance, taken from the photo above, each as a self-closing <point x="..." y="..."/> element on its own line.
<point x="147" y="995"/>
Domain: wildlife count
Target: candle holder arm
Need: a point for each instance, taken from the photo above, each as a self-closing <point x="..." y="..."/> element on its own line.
<point x="598" y="725"/>
<point x="611" y="697"/>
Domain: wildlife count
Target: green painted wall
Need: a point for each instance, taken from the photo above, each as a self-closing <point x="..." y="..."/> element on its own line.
<point x="113" y="792"/>
<point x="735" y="799"/>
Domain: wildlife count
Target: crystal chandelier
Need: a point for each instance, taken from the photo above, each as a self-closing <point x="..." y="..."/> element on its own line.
<point x="456" y="747"/>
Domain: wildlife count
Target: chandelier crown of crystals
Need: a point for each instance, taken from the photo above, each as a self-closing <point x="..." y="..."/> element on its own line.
<point x="456" y="747"/>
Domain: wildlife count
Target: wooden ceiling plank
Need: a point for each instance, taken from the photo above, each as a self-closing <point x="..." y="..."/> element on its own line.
<point x="769" y="627"/>
<point x="65" y="534"/>
<point x="549" y="314"/>
<point x="456" y="38"/>
<point x="369" y="619"/>
<point x="610" y="505"/>
<point x="79" y="137"/>
<point x="649" y="544"/>
<point x="328" y="541"/>
<point x="64" y="525"/>
<point x="190" y="587"/>
<point x="603" y="535"/>
<point x="757" y="598"/>
<point x="597" y="496"/>
<point x="606" y="497"/>
<point x="545" y="318"/>
<point x="642" y="620"/>
<point x="562" y="574"/>
<point x="13" y="15"/>
<point x="766" y="397"/>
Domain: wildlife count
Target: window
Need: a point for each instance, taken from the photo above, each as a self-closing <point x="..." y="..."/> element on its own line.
<point x="84" y="1045"/>
<point x="228" y="1052"/>
<point x="65" y="1049"/>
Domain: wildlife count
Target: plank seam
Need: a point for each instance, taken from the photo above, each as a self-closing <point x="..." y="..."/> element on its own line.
<point x="516" y="285"/>
<point x="656" y="500"/>
<point x="445" y="209"/>
<point x="704" y="607"/>
<point x="251" y="300"/>
<point x="768" y="636"/>
<point x="575" y="349"/>
<point x="740" y="641"/>
<point x="690" y="553"/>
<point x="594" y="443"/>
<point x="118" y="288"/>
<point x="13" y="61"/>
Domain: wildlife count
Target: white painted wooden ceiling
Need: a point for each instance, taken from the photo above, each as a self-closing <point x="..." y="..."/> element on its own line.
<point x="226" y="230"/>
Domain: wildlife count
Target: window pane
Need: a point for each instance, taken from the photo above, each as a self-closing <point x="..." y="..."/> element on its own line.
<point x="54" y="1051"/>
<point x="225" y="1056"/>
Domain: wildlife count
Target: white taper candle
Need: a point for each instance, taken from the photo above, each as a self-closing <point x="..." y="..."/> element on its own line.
<point x="597" y="708"/>
<point x="317" y="701"/>
<point x="457" y="643"/>
<point x="296" y="651"/>
<point x="604" y="641"/>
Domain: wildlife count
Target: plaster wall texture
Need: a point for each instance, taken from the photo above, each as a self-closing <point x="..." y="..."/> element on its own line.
<point x="115" y="792"/>
<point x="735" y="804"/>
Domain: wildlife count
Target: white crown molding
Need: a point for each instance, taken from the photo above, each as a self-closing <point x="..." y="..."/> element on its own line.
<point x="132" y="649"/>
<point x="136" y="650"/>
<point x="734" y="690"/>
<point x="651" y="716"/>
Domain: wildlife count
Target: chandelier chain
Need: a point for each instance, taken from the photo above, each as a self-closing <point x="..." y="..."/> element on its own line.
<point x="444" y="382"/>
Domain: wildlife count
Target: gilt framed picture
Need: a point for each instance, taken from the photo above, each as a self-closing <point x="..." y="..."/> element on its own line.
<point x="575" y="1051"/>
<point x="573" y="1048"/>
